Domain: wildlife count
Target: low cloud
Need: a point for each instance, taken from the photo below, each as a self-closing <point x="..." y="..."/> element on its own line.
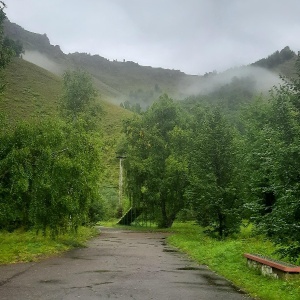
<point x="263" y="80"/>
<point x="43" y="61"/>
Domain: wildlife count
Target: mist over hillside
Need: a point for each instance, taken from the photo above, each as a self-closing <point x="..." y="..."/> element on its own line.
<point x="261" y="80"/>
<point x="43" y="61"/>
<point x="129" y="82"/>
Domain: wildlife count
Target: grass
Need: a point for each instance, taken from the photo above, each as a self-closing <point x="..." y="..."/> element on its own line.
<point x="226" y="258"/>
<point x="29" y="88"/>
<point x="21" y="246"/>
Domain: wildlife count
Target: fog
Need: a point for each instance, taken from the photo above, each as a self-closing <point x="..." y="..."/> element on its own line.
<point x="260" y="80"/>
<point x="263" y="80"/>
<point x="43" y="61"/>
<point x="194" y="36"/>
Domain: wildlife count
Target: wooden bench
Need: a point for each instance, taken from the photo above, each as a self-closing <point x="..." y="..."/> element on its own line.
<point x="273" y="268"/>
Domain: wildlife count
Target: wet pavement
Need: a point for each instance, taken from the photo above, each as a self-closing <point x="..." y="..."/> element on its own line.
<point x="118" y="264"/>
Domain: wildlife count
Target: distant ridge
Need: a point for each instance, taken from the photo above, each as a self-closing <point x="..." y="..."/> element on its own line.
<point x="129" y="82"/>
<point x="114" y="79"/>
<point x="275" y="59"/>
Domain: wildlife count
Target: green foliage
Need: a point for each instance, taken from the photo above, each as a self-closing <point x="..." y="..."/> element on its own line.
<point x="213" y="173"/>
<point x="33" y="92"/>
<point x="8" y="48"/>
<point x="132" y="107"/>
<point x="79" y="95"/>
<point x="49" y="175"/>
<point x="272" y="162"/>
<point x="276" y="58"/>
<point x="156" y="165"/>
<point x="78" y="91"/>
<point x="5" y="50"/>
<point x="15" y="46"/>
<point x="225" y="257"/>
<point x="27" y="246"/>
<point x="231" y="96"/>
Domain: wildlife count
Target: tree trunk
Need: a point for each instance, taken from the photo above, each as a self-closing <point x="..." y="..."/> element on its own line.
<point x="221" y="225"/>
<point x="166" y="221"/>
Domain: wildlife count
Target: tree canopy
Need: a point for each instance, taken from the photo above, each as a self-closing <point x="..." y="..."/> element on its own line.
<point x="8" y="47"/>
<point x="155" y="164"/>
<point x="213" y="184"/>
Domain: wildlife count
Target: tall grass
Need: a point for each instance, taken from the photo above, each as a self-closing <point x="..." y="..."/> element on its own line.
<point x="26" y="246"/>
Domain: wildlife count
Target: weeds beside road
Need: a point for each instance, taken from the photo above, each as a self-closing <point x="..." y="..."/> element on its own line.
<point x="27" y="246"/>
<point x="226" y="258"/>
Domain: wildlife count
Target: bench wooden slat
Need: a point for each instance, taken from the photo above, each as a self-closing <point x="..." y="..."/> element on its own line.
<point x="273" y="264"/>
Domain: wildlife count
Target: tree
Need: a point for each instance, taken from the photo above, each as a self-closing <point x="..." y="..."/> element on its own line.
<point x="273" y="165"/>
<point x="156" y="165"/>
<point x="212" y="164"/>
<point x="79" y="97"/>
<point x="49" y="175"/>
<point x="8" y="48"/>
<point x="276" y="58"/>
<point x="260" y="144"/>
<point x="15" y="46"/>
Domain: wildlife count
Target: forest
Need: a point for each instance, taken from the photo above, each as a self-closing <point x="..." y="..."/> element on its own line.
<point x="200" y="161"/>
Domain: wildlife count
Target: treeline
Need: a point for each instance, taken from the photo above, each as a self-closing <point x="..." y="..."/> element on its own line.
<point x="50" y="168"/>
<point x="276" y="58"/>
<point x="222" y="170"/>
<point x="8" y="47"/>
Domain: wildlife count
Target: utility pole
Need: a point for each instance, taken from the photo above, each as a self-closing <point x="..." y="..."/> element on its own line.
<point x="121" y="157"/>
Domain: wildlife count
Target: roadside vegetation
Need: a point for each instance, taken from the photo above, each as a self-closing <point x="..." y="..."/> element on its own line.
<point x="225" y="257"/>
<point x="26" y="246"/>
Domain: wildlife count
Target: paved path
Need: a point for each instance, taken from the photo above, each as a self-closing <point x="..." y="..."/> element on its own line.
<point x="118" y="264"/>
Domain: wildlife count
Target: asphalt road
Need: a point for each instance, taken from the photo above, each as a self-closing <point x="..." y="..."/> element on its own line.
<point x="118" y="264"/>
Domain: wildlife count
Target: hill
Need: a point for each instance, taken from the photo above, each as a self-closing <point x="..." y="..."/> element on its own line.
<point x="281" y="62"/>
<point x="129" y="82"/>
<point x="32" y="91"/>
<point x="117" y="81"/>
<point x="134" y="86"/>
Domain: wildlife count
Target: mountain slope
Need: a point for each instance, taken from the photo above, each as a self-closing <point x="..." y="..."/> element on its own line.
<point x="126" y="81"/>
<point x="281" y="62"/>
<point x="114" y="79"/>
<point x="32" y="91"/>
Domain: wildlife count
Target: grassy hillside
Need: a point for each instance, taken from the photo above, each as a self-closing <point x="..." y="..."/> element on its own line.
<point x="127" y="81"/>
<point x="127" y="76"/>
<point x="32" y="91"/>
<point x="115" y="80"/>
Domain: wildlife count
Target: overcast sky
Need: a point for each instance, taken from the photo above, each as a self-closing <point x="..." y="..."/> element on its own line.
<point x="194" y="36"/>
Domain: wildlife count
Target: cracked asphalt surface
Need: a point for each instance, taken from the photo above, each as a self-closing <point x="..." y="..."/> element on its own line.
<point x="119" y="264"/>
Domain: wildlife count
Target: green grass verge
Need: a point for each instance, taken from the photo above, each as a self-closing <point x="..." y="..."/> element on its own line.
<point x="226" y="258"/>
<point x="21" y="246"/>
